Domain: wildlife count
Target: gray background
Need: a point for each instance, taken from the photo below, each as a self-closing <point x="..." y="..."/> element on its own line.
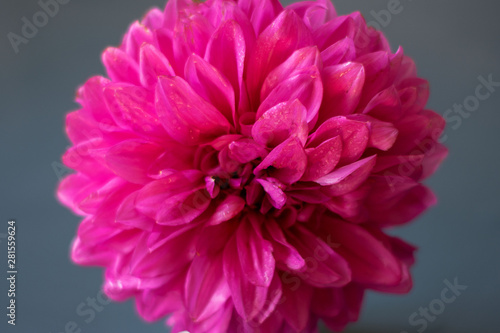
<point x="453" y="42"/>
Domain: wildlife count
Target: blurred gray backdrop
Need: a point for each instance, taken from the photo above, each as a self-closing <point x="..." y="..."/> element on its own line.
<point x="453" y="43"/>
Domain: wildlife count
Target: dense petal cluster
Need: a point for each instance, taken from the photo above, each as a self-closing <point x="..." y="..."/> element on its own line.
<point x="237" y="167"/>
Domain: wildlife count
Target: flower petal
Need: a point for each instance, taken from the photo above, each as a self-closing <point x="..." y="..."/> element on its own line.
<point x="227" y="209"/>
<point x="274" y="190"/>
<point x="370" y="261"/>
<point x="340" y="52"/>
<point x="152" y="65"/>
<point x="247" y="297"/>
<point x="174" y="200"/>
<point x="230" y="38"/>
<point x="132" y="108"/>
<point x="288" y="161"/>
<point x="275" y="44"/>
<point x="283" y="251"/>
<point x="295" y="306"/>
<point x="260" y="12"/>
<point x="343" y="85"/>
<point x="322" y="159"/>
<point x="285" y="120"/>
<point x="132" y="159"/>
<point x="120" y="66"/>
<point x="354" y="135"/>
<point x="324" y="267"/>
<point x="255" y="253"/>
<point x="205" y="290"/>
<point x="304" y="85"/>
<point x="186" y="116"/>
<point x="210" y="84"/>
<point x="300" y="59"/>
<point x="347" y="178"/>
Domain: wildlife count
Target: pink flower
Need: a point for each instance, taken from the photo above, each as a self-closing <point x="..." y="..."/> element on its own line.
<point x="237" y="168"/>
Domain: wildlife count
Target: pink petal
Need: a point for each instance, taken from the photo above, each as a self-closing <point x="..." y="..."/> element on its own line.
<point x="254" y="193"/>
<point x="354" y="135"/>
<point x="370" y="261"/>
<point x="333" y="31"/>
<point x="289" y="161"/>
<point x="433" y="160"/>
<point x="343" y="85"/>
<point x="340" y="52"/>
<point x="275" y="44"/>
<point x="315" y="196"/>
<point x="396" y="200"/>
<point x="175" y="199"/>
<point x="128" y="215"/>
<point x="296" y="305"/>
<point x="248" y="298"/>
<point x="350" y="206"/>
<point x="314" y="13"/>
<point x="120" y="66"/>
<point x="131" y="159"/>
<point x="304" y="85"/>
<point x="351" y="298"/>
<point x="88" y="158"/>
<point x="91" y="97"/>
<point x="322" y="159"/>
<point x="285" y="120"/>
<point x="246" y="150"/>
<point x="172" y="11"/>
<point x="255" y="253"/>
<point x="230" y="38"/>
<point x="227" y="209"/>
<point x="399" y="164"/>
<point x="205" y="290"/>
<point x="132" y="108"/>
<point x="273" y="298"/>
<point x="154" y="304"/>
<point x="386" y="105"/>
<point x="80" y="128"/>
<point x="283" y="251"/>
<point x="217" y="322"/>
<point x="349" y="177"/>
<point x="185" y="115"/>
<point x="152" y="65"/>
<point x="383" y="135"/>
<point x="414" y="94"/>
<point x="210" y="84"/>
<point x="377" y="70"/>
<point x="136" y="36"/>
<point x="324" y="267"/>
<point x="176" y="157"/>
<point x="300" y="59"/>
<point x="74" y="188"/>
<point x="260" y="12"/>
<point x="190" y="36"/>
<point x="164" y="259"/>
<point x="274" y="190"/>
<point x="153" y="19"/>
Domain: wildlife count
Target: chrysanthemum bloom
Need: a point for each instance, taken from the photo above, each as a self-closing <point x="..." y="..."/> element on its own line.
<point x="236" y="169"/>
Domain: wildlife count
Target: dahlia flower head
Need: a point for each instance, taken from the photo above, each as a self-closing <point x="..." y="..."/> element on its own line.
<point x="238" y="166"/>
